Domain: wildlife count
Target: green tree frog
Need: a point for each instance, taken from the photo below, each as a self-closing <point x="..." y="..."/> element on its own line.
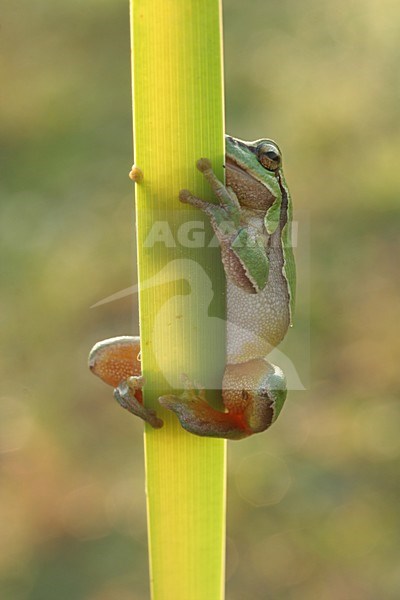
<point x="252" y="221"/>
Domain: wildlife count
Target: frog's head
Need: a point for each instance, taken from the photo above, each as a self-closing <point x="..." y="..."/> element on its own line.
<point x="252" y="170"/>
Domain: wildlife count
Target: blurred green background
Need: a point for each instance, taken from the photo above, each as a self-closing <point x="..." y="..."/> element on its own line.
<point x="313" y="506"/>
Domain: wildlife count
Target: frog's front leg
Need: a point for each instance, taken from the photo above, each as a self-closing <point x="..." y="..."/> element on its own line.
<point x="253" y="394"/>
<point x="116" y="362"/>
<point x="243" y="246"/>
<point x="225" y="217"/>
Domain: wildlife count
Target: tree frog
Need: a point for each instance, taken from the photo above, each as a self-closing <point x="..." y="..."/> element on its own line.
<point x="252" y="221"/>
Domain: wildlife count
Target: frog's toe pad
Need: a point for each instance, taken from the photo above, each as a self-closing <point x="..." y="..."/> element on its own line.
<point x="203" y="164"/>
<point x="185" y="196"/>
<point x="192" y="390"/>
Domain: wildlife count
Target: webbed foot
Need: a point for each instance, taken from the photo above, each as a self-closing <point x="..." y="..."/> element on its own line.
<point x="197" y="416"/>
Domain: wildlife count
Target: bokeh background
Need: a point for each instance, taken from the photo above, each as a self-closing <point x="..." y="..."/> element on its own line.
<point x="313" y="506"/>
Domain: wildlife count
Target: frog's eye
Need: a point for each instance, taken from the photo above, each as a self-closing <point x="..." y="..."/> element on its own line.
<point x="269" y="156"/>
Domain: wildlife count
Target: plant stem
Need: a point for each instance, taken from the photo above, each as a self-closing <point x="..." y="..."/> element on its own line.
<point x="178" y="118"/>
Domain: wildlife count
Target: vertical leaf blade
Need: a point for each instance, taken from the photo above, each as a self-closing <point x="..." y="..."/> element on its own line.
<point x="178" y="118"/>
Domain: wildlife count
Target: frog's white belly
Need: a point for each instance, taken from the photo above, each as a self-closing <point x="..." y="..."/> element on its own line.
<point x="257" y="323"/>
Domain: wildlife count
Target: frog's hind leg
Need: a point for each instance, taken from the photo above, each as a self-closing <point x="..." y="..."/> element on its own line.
<point x="197" y="416"/>
<point x="117" y="362"/>
<point x="116" y="359"/>
<point x="253" y="394"/>
<point x="129" y="395"/>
